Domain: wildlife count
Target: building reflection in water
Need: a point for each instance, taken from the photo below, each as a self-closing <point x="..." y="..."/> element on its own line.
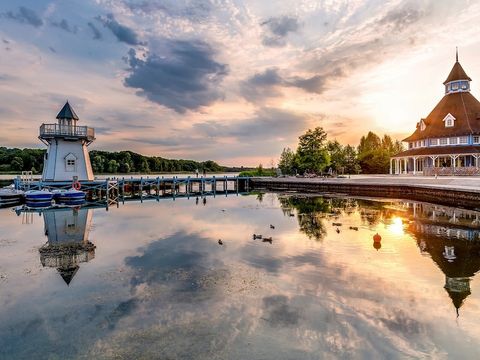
<point x="452" y="239"/>
<point x="67" y="230"/>
<point x="450" y="236"/>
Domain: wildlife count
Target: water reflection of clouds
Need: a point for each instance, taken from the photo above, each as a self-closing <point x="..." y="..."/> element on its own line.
<point x="161" y="284"/>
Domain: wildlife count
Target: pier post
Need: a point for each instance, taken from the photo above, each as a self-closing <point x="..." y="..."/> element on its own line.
<point x="214" y="186"/>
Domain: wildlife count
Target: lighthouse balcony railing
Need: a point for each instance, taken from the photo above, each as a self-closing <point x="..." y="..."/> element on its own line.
<point x="54" y="130"/>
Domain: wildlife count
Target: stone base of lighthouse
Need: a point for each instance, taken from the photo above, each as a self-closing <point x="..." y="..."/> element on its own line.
<point x="65" y="160"/>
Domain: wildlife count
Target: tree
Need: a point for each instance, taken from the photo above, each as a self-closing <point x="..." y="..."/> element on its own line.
<point x="17" y="163"/>
<point x="98" y="164"/>
<point x="337" y="156"/>
<point x="351" y="161"/>
<point x="112" y="166"/>
<point x="287" y="161"/>
<point x="374" y="153"/>
<point x="312" y="154"/>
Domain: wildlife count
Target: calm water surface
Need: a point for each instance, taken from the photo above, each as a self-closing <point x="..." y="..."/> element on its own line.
<point x="150" y="280"/>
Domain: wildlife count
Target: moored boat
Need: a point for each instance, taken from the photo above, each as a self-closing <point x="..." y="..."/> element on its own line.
<point x="10" y="196"/>
<point x="38" y="196"/>
<point x="69" y="196"/>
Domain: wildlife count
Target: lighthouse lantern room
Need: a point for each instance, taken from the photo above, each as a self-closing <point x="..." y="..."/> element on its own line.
<point x="67" y="154"/>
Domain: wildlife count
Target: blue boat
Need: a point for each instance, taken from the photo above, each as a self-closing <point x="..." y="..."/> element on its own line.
<point x="71" y="195"/>
<point x="38" y="204"/>
<point x="38" y="196"/>
<point x="10" y="196"/>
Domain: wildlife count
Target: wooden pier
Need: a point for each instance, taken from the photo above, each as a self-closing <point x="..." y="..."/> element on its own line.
<point x="113" y="190"/>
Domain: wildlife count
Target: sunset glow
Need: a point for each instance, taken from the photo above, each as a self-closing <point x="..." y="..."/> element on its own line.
<point x="234" y="81"/>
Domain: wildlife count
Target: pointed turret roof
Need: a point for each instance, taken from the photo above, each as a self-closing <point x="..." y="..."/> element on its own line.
<point x="67" y="274"/>
<point x="457" y="72"/>
<point x="67" y="112"/>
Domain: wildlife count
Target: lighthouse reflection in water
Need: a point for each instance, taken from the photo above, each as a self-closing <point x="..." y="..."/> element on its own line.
<point x="150" y="278"/>
<point x="68" y="245"/>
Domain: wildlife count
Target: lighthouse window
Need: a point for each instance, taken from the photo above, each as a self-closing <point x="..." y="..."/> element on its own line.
<point x="455" y="86"/>
<point x="70" y="162"/>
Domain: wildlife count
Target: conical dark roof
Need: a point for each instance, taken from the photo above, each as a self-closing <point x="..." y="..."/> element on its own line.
<point x="67" y="274"/>
<point x="67" y="112"/>
<point x="457" y="73"/>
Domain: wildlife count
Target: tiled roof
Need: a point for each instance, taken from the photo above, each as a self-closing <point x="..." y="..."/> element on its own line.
<point x="441" y="150"/>
<point x="67" y="112"/>
<point x="463" y="106"/>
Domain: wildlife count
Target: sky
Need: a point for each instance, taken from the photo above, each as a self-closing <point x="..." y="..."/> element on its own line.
<point x="234" y="81"/>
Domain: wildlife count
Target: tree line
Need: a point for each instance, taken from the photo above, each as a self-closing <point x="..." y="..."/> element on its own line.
<point x="104" y="162"/>
<point x="315" y="154"/>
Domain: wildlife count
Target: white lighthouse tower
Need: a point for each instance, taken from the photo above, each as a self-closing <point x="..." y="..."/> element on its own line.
<point x="67" y="154"/>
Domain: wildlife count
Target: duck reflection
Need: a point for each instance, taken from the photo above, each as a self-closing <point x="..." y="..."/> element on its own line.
<point x="67" y="230"/>
<point x="451" y="237"/>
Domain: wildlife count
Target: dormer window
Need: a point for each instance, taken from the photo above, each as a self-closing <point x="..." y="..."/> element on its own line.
<point x="422" y="125"/>
<point x="449" y="120"/>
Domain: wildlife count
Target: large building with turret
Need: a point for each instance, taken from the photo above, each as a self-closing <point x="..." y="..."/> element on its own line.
<point x="447" y="141"/>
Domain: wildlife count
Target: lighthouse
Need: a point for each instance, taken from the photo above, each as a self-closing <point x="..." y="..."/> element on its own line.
<point x="67" y="154"/>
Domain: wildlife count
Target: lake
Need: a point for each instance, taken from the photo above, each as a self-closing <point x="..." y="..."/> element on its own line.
<point x="150" y="280"/>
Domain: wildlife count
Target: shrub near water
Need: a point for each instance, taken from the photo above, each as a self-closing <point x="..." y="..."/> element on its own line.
<point x="259" y="171"/>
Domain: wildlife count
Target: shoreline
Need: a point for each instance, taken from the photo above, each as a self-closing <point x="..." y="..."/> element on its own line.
<point x="455" y="191"/>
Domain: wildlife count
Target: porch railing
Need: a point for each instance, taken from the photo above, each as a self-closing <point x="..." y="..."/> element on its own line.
<point x="459" y="170"/>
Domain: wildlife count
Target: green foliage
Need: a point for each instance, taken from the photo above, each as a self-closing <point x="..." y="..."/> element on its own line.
<point x="128" y="162"/>
<point x="259" y="171"/>
<point x="312" y="154"/>
<point x="287" y="162"/>
<point x="16" y="160"/>
<point x="374" y="153"/>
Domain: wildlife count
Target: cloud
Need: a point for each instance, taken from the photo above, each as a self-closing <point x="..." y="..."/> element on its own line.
<point x="278" y="29"/>
<point x="399" y="19"/>
<point x="97" y="35"/>
<point x="25" y="16"/>
<point x="267" y="124"/>
<point x="267" y="84"/>
<point x="193" y="10"/>
<point x="184" y="77"/>
<point x="278" y="311"/>
<point x="121" y="32"/>
<point x="64" y="25"/>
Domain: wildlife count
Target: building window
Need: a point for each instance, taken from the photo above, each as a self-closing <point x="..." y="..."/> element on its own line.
<point x="433" y="141"/>
<point x="70" y="162"/>
<point x="453" y="141"/>
<point x="410" y="145"/>
<point x="464" y="140"/>
<point x="476" y="139"/>
<point x="443" y="141"/>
